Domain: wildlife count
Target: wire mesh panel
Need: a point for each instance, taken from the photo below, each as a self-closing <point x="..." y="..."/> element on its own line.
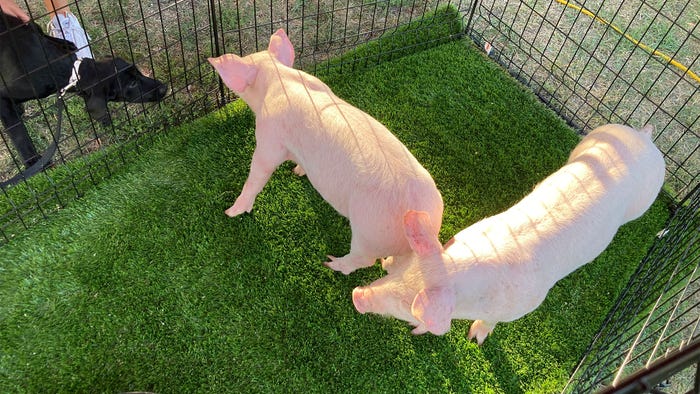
<point x="609" y="61"/>
<point x="166" y="41"/>
<point x="170" y="41"/>
<point x="593" y="61"/>
<point x="659" y="310"/>
<point x="322" y="30"/>
<point x="612" y="61"/>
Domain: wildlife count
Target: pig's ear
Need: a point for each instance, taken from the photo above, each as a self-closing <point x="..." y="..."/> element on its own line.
<point x="281" y="48"/>
<point x="647" y="130"/>
<point x="419" y="233"/>
<point x="236" y="73"/>
<point x="433" y="307"/>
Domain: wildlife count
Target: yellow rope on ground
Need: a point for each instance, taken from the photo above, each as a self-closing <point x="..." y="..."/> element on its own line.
<point x="653" y="52"/>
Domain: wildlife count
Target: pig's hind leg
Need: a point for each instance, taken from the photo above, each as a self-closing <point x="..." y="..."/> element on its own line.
<point x="265" y="161"/>
<point x="359" y="257"/>
<point x="369" y="242"/>
<point x="349" y="263"/>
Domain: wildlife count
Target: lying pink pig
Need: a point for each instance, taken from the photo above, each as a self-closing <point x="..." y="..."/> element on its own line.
<point x="502" y="267"/>
<point x="353" y="161"/>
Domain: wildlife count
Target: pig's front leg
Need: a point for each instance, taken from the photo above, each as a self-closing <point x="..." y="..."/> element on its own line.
<point x="265" y="160"/>
<point x="480" y="330"/>
<point x="359" y="257"/>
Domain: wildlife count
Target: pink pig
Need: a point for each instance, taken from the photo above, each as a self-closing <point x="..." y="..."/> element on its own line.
<point x="502" y="267"/>
<point x="353" y="161"/>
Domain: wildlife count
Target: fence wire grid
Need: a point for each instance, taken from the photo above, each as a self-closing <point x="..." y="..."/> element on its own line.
<point x="611" y="61"/>
<point x="170" y="41"/>
<point x="592" y="61"/>
<point x="659" y="310"/>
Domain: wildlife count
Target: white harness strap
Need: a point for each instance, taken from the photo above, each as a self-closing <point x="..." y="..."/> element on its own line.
<point x="73" y="80"/>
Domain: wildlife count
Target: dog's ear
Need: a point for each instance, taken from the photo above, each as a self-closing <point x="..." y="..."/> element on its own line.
<point x="126" y="81"/>
<point x="88" y="75"/>
<point x="98" y="77"/>
<point x="93" y="86"/>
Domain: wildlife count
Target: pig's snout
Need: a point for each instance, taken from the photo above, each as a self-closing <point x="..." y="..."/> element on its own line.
<point x="359" y="299"/>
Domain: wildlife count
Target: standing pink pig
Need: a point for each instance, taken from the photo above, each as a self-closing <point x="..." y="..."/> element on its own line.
<point x="502" y="267"/>
<point x="353" y="161"/>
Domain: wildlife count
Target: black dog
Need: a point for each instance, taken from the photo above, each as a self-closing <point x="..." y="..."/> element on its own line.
<point x="34" y="65"/>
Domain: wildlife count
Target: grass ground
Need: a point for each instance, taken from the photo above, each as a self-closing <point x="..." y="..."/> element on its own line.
<point x="146" y="285"/>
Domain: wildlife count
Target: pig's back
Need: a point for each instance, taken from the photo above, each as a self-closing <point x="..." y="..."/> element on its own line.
<point x="358" y="166"/>
<point x="343" y="149"/>
<point x="572" y="216"/>
<point x="564" y="223"/>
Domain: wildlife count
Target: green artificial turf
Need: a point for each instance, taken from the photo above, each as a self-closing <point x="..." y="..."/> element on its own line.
<point x="145" y="284"/>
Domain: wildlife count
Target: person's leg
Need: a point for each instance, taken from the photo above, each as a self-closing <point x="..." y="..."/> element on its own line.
<point x="56" y="6"/>
<point x="64" y="24"/>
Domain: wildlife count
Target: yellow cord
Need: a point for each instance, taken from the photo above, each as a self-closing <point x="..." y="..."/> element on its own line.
<point x="653" y="52"/>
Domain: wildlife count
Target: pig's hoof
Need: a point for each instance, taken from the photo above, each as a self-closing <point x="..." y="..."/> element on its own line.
<point x="238" y="208"/>
<point x="387" y="262"/>
<point x="233" y="211"/>
<point x="359" y="299"/>
<point x="480" y="330"/>
<point x="299" y="171"/>
<point x="338" y="264"/>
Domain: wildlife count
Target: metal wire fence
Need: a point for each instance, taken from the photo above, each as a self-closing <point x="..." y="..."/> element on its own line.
<point x="170" y="41"/>
<point x="592" y="61"/>
<point x="659" y="310"/>
<point x="612" y="61"/>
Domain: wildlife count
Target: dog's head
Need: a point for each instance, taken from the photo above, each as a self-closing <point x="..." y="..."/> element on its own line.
<point x="114" y="79"/>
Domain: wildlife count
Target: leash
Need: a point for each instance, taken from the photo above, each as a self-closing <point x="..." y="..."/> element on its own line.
<point x="45" y="158"/>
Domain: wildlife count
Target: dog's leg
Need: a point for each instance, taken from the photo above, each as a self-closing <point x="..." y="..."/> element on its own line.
<point x="96" y="106"/>
<point x="11" y="116"/>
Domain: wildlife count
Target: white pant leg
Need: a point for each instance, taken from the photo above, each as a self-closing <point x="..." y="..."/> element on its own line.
<point x="68" y="27"/>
